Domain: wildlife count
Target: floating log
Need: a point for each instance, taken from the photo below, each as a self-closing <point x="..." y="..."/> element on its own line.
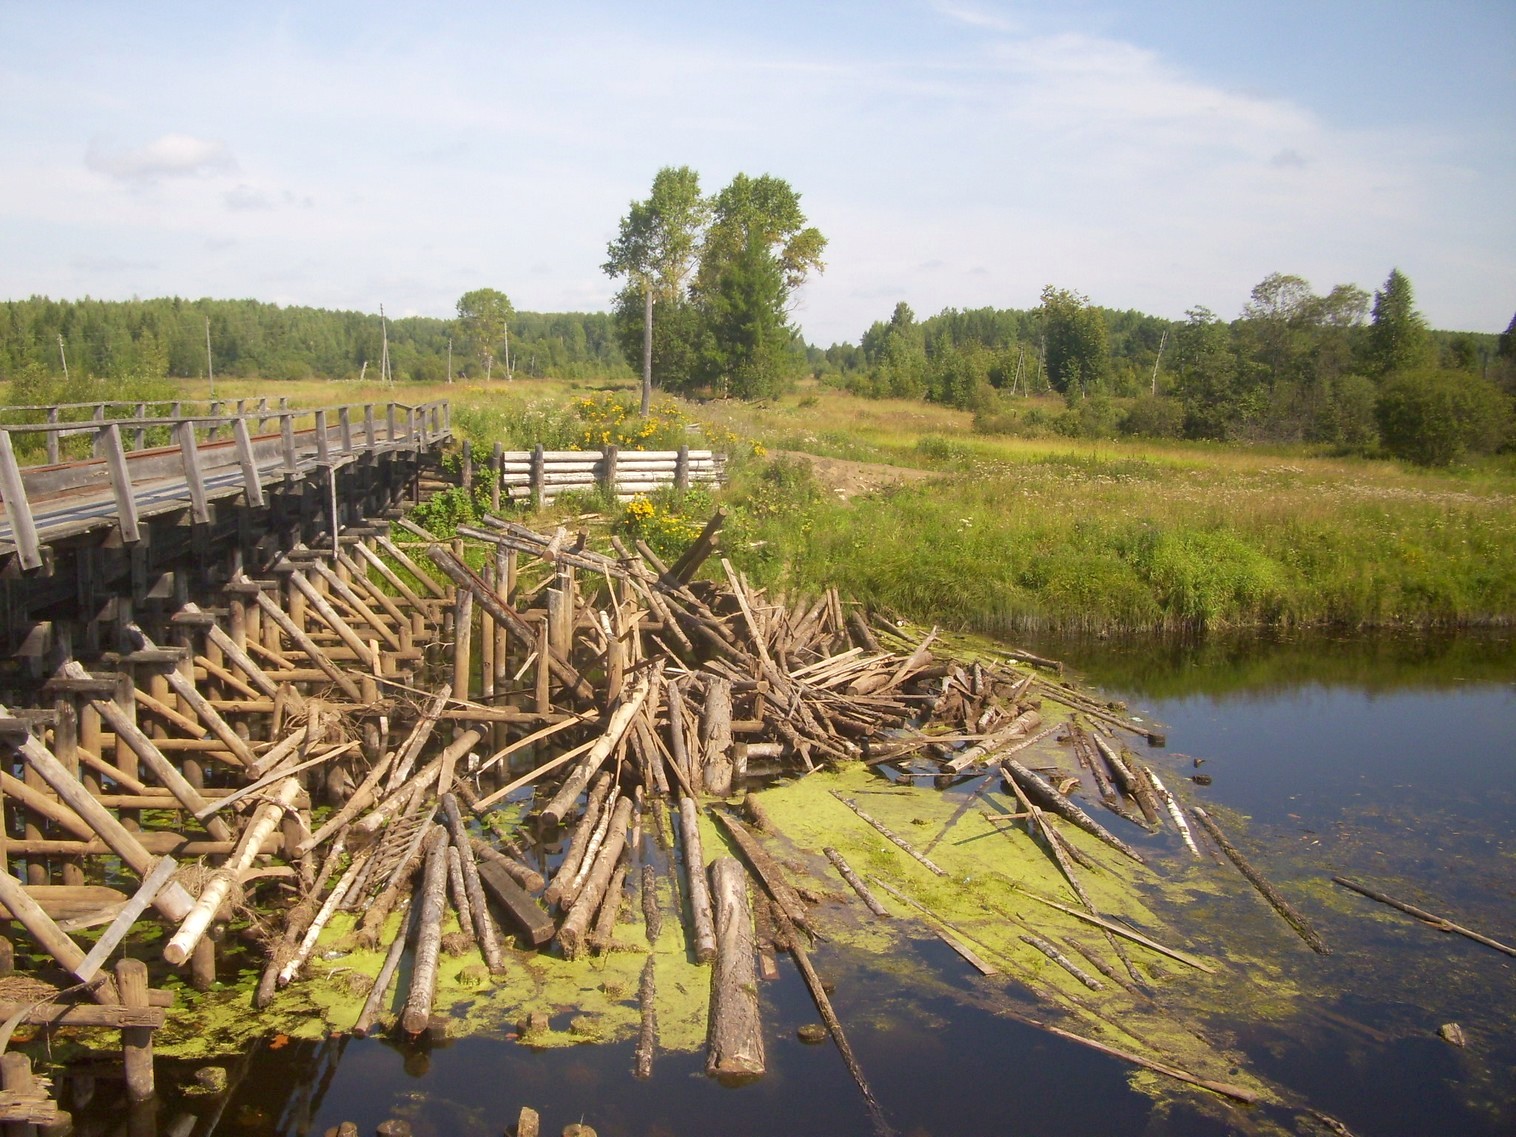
<point x="734" y="1043"/>
<point x="602" y="937"/>
<point x="767" y="870"/>
<point x="856" y="882"/>
<point x="571" y="932"/>
<point x="1122" y="930"/>
<point x="1225" y="1089"/>
<point x="701" y="915"/>
<point x="1135" y="787"/>
<point x="523" y="874"/>
<point x="647" y="1034"/>
<point x="1036" y="786"/>
<point x="823" y="1003"/>
<point x="484" y="927"/>
<point x="1171" y="804"/>
<point x="386" y="974"/>
<point x="897" y="840"/>
<point x="418" y="1006"/>
<point x="1441" y="923"/>
<point x="1063" y="961"/>
<point x="1276" y="901"/>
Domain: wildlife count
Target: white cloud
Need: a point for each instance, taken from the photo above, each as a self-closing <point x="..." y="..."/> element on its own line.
<point x="168" y="156"/>
<point x="245" y="197"/>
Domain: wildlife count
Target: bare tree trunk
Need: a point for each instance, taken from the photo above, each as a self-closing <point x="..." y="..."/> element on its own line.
<point x="647" y="350"/>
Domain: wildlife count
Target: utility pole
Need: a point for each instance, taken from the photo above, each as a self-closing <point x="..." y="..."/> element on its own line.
<point x="209" y="370"/>
<point x="64" y="356"/>
<point x="384" y="349"/>
<point x="449" y="359"/>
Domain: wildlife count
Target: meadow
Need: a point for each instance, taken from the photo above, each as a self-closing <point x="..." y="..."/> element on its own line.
<point x="1011" y="534"/>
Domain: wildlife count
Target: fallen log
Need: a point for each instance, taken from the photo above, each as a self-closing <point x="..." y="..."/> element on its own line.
<point x="484" y="927"/>
<point x="418" y="1005"/>
<point x="900" y="841"/>
<point x="386" y="976"/>
<point x="522" y="873"/>
<point x="1171" y="804"/>
<point x="767" y="870"/>
<point x="1438" y="922"/>
<point x="694" y="869"/>
<point x="621" y="718"/>
<point x="647" y="1035"/>
<point x="571" y="933"/>
<point x="855" y="881"/>
<point x="823" y="1003"/>
<point x="1063" y="961"/>
<point x="1276" y="901"/>
<point x="215" y="891"/>
<point x="1122" y="930"/>
<point x="1225" y="1089"/>
<point x="734" y="1043"/>
<point x="1036" y="786"/>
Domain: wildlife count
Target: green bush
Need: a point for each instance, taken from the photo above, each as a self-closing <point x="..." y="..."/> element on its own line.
<point x="1436" y="418"/>
<point x="1153" y="416"/>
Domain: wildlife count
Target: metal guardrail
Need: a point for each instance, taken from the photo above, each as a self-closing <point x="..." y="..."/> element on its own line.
<point x="120" y="486"/>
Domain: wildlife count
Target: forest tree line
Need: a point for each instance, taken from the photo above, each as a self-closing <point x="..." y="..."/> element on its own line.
<point x="1357" y="373"/>
<point x="167" y="338"/>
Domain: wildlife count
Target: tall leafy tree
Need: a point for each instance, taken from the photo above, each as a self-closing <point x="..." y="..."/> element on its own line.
<point x="1076" y="342"/>
<point x="765" y="209"/>
<point x="1210" y="384"/>
<point x="749" y="333"/>
<point x="1397" y="333"/>
<point x="484" y="315"/>
<point x="656" y="249"/>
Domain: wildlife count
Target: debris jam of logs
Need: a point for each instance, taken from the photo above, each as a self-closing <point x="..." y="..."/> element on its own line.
<point x="523" y="714"/>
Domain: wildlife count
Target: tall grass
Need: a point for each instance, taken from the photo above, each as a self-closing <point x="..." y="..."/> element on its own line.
<point x="1021" y="533"/>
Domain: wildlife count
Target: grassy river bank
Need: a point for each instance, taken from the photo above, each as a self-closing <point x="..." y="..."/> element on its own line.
<point x="1002" y="534"/>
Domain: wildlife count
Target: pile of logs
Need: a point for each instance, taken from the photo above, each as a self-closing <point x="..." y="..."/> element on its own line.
<point x="411" y="687"/>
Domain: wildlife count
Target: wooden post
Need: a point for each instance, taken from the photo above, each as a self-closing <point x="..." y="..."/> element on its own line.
<point x="136" y="1041"/>
<point x="497" y="464"/>
<point x="463" y="642"/>
<point x="539" y="477"/>
<point x="682" y="470"/>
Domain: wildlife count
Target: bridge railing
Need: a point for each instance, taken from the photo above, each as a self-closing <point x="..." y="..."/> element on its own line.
<point x="205" y="457"/>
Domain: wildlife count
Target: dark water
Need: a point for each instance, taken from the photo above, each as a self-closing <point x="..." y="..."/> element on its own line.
<point x="1393" y="761"/>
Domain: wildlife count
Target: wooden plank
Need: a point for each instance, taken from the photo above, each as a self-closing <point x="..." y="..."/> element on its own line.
<point x="194" y="476"/>
<point x="251" y="483"/>
<point x="121" y="484"/>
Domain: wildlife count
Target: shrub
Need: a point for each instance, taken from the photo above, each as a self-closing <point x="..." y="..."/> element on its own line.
<point x="1435" y="418"/>
<point x="1153" y="416"/>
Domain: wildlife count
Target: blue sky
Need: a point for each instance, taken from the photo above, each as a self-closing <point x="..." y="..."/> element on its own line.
<point x="956" y="153"/>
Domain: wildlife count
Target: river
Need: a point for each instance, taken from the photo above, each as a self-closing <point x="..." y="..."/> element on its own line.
<point x="1391" y="760"/>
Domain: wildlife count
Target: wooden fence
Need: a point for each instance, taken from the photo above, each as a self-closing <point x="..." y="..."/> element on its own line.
<point x="542" y="475"/>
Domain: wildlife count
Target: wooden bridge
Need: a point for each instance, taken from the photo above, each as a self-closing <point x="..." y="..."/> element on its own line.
<point x="103" y="494"/>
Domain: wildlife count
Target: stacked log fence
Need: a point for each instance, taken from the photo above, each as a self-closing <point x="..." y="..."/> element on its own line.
<point x="540" y="476"/>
